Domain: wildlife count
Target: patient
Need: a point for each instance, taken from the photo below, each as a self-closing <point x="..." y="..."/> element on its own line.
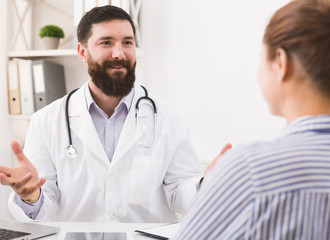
<point x="278" y="189"/>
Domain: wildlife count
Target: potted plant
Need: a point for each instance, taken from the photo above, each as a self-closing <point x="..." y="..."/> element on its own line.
<point x="51" y="35"/>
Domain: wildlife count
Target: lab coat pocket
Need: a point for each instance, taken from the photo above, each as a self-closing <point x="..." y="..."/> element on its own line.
<point x="142" y="180"/>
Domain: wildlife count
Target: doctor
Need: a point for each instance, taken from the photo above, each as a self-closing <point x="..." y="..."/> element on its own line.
<point x="127" y="168"/>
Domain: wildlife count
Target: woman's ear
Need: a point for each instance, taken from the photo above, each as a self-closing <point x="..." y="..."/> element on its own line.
<point x="82" y="52"/>
<point x="281" y="64"/>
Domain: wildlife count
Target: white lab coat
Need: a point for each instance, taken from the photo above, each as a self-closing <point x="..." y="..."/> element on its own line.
<point x="139" y="185"/>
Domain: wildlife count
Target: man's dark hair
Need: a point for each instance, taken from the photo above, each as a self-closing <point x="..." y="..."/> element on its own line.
<point x="98" y="15"/>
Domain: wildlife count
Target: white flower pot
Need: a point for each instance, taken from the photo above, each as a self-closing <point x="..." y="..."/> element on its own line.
<point x="51" y="43"/>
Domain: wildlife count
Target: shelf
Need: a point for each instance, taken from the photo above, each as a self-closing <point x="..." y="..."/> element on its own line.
<point x="53" y="53"/>
<point x="20" y="116"/>
<point x="43" y="53"/>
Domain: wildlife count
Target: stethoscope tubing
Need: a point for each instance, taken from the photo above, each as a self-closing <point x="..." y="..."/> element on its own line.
<point x="70" y="147"/>
<point x="146" y="97"/>
<point x="67" y="115"/>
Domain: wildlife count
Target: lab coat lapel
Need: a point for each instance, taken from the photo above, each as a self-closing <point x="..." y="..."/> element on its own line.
<point x="83" y="127"/>
<point x="130" y="133"/>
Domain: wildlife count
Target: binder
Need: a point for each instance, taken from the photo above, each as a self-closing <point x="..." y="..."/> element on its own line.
<point x="14" y="100"/>
<point x="26" y="86"/>
<point x="49" y="82"/>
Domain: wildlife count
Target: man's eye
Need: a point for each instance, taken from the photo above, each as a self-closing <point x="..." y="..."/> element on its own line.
<point x="105" y="43"/>
<point x="128" y="43"/>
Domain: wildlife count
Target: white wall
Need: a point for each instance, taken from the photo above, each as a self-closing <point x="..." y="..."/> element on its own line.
<point x="203" y="56"/>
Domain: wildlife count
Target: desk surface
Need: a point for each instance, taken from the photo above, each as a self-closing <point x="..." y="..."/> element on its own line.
<point x="100" y="227"/>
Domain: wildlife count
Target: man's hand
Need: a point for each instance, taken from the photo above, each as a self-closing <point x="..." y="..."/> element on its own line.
<point x="211" y="165"/>
<point x="23" y="179"/>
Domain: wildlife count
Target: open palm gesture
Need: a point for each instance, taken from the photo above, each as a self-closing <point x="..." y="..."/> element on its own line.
<point x="23" y="179"/>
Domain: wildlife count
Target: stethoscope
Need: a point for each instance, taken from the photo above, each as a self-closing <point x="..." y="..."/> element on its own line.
<point x="71" y="151"/>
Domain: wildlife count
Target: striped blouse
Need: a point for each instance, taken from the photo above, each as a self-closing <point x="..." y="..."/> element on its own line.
<point x="268" y="190"/>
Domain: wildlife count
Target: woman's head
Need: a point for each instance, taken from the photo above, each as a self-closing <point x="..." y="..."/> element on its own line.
<point x="302" y="29"/>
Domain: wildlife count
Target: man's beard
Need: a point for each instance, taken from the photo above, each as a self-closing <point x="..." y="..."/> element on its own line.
<point x="118" y="85"/>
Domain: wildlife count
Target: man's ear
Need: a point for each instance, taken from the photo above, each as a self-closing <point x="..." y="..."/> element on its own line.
<point x="281" y="64"/>
<point x="82" y="52"/>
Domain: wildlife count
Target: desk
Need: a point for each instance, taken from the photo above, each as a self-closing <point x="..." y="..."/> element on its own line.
<point x="100" y="227"/>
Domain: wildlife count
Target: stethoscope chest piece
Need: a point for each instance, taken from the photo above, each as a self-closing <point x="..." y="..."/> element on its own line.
<point x="71" y="152"/>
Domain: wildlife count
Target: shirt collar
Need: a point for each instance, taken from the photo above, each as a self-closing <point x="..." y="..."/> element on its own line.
<point x="320" y="123"/>
<point x="126" y="100"/>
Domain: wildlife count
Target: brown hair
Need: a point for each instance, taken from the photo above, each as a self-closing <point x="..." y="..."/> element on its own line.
<point x="302" y="29"/>
<point x="97" y="15"/>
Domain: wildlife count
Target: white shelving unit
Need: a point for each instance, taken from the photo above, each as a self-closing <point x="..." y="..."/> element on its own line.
<point x="21" y="20"/>
<point x="4" y="139"/>
<point x="43" y="53"/>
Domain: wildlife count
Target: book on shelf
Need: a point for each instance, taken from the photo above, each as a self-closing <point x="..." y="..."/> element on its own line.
<point x="33" y="84"/>
<point x="26" y="86"/>
<point x="49" y="82"/>
<point x="14" y="101"/>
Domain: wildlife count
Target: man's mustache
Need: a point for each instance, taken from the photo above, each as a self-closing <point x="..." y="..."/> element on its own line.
<point x="114" y="63"/>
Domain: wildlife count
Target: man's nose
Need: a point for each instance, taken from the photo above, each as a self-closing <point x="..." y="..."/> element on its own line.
<point x="117" y="52"/>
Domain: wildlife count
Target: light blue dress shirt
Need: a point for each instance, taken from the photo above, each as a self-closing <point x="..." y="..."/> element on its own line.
<point x="108" y="129"/>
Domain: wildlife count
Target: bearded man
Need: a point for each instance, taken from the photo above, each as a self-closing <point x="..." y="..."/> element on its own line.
<point x="128" y="165"/>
